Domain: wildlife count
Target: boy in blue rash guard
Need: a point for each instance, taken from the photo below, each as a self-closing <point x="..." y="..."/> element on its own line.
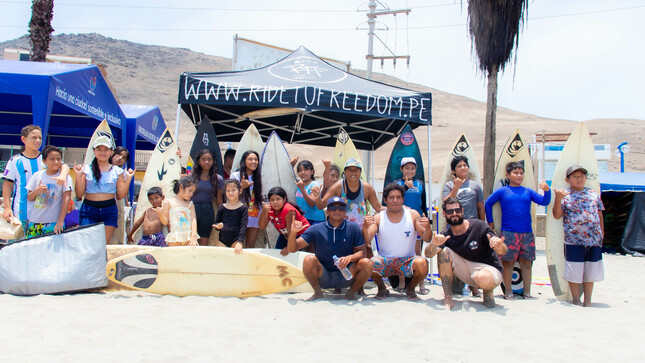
<point x="516" y="228"/>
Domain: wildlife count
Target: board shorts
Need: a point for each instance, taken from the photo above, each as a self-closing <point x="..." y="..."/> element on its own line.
<point x="205" y="216"/>
<point x="158" y="239"/>
<point x="334" y="279"/>
<point x="37" y="229"/>
<point x="465" y="269"/>
<point x="583" y="264"/>
<point x="388" y="266"/>
<point x="520" y="245"/>
<point x="104" y="211"/>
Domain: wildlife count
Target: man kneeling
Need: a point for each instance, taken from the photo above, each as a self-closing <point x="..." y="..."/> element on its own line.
<point x="469" y="250"/>
<point x="335" y="237"/>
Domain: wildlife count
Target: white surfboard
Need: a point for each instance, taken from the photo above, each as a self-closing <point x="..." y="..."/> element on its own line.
<point x="295" y="259"/>
<point x="251" y="140"/>
<point x="514" y="150"/>
<point x="579" y="150"/>
<point x="461" y="147"/>
<point x="164" y="167"/>
<point x="276" y="171"/>
<point x="205" y="271"/>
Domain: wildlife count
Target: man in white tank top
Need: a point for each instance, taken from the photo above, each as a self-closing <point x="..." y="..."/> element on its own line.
<point x="396" y="229"/>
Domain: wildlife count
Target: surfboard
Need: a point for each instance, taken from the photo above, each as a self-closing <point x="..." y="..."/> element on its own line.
<point x="251" y="140"/>
<point x="296" y="259"/>
<point x="103" y="129"/>
<point x="204" y="271"/>
<point x="406" y="146"/>
<point x="345" y="150"/>
<point x="276" y="171"/>
<point x="164" y="167"/>
<point x="462" y="147"/>
<point x="579" y="150"/>
<point x="205" y="138"/>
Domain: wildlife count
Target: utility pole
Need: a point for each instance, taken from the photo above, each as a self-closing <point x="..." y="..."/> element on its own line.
<point x="371" y="22"/>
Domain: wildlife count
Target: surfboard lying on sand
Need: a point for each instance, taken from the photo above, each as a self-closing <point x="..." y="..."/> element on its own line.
<point x="251" y="140"/>
<point x="205" y="271"/>
<point x="406" y="146"/>
<point x="579" y="150"/>
<point x="205" y="138"/>
<point x="295" y="259"/>
<point x="461" y="147"/>
<point x="345" y="150"/>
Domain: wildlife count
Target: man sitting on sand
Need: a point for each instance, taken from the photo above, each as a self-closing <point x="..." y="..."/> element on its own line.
<point x="468" y="250"/>
<point x="335" y="237"/>
<point x="396" y="229"/>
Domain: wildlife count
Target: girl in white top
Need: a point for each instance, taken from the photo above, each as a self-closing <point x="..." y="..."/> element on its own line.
<point x="179" y="213"/>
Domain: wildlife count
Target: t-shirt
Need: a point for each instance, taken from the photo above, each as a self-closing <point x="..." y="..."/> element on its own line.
<point x="280" y="220"/>
<point x="413" y="196"/>
<point x="204" y="191"/>
<point x="329" y="241"/>
<point x="46" y="207"/>
<point x="19" y="170"/>
<point x="516" y="207"/>
<point x="581" y="221"/>
<point x="311" y="213"/>
<point x="107" y="183"/>
<point x="234" y="221"/>
<point x="469" y="194"/>
<point x="474" y="244"/>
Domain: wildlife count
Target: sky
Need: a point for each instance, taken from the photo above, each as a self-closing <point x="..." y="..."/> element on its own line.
<point x="577" y="59"/>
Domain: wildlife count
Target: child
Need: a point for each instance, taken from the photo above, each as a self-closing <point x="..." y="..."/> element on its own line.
<point x="308" y="191"/>
<point x="229" y="155"/>
<point x="331" y="175"/>
<point x="19" y="170"/>
<point x="232" y="218"/>
<point x="280" y="212"/>
<point x="469" y="192"/>
<point x="49" y="201"/>
<point x="152" y="234"/>
<point x="209" y="186"/>
<point x="516" y="228"/>
<point x="251" y="182"/>
<point x="120" y="156"/>
<point x="101" y="183"/>
<point x="583" y="233"/>
<point x="179" y="213"/>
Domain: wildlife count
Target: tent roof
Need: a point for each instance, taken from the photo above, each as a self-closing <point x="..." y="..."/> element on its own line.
<point x="305" y="100"/>
<point x="622" y="182"/>
<point x="148" y="122"/>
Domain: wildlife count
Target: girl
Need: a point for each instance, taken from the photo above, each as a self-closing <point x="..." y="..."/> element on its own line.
<point x="100" y="183"/>
<point x="49" y="201"/>
<point x="308" y="190"/>
<point x="120" y="156"/>
<point x="209" y="185"/>
<point x="232" y="218"/>
<point x="179" y="213"/>
<point x="251" y="183"/>
<point x="281" y="213"/>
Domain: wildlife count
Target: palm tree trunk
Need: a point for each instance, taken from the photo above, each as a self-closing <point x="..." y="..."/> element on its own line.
<point x="40" y="29"/>
<point x="489" y="140"/>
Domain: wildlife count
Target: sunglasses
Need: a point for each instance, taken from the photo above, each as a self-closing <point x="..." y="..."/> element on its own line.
<point x="334" y="208"/>
<point x="453" y="211"/>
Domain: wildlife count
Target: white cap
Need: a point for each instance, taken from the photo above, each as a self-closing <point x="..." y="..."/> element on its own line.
<point x="408" y="160"/>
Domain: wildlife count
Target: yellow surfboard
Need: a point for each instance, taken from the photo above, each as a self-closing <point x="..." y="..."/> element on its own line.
<point x="204" y="271"/>
<point x="346" y="150"/>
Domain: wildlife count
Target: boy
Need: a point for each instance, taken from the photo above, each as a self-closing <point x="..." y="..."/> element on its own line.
<point x="583" y="233"/>
<point x="152" y="234"/>
<point x="19" y="170"/>
<point x="516" y="228"/>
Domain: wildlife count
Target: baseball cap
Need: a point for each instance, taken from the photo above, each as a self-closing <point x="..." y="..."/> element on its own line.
<point x="103" y="140"/>
<point x="336" y="200"/>
<point x="353" y="162"/>
<point x="574" y="168"/>
<point x="408" y="160"/>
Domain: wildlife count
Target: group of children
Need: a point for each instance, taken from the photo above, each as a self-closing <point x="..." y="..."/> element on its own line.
<point x="42" y="188"/>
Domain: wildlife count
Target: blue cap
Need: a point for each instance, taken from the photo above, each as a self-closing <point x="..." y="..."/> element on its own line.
<point x="336" y="200"/>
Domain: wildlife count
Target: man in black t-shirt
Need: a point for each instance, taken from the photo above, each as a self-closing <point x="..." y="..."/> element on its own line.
<point x="468" y="250"/>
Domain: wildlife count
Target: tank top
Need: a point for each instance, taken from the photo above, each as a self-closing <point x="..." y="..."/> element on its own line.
<point x="397" y="239"/>
<point x="180" y="220"/>
<point x="356" y="208"/>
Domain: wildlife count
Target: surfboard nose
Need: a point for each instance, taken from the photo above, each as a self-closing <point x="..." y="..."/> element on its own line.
<point x="139" y="271"/>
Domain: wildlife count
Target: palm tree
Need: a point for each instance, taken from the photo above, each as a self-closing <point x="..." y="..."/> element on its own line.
<point x="40" y="29"/>
<point x="494" y="27"/>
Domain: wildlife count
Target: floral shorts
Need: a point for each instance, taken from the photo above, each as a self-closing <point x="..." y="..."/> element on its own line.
<point x="390" y="266"/>
<point x="36" y="229"/>
<point x="519" y="244"/>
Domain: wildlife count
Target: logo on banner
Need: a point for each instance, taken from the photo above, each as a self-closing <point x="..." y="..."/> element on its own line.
<point x="461" y="147"/>
<point x="205" y="139"/>
<point x="155" y="122"/>
<point x="306" y="69"/>
<point x="407" y="138"/>
<point x="516" y="146"/>
<point x="92" y="83"/>
<point x="166" y="142"/>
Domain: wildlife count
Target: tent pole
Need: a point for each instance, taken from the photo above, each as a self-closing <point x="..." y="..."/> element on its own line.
<point x="435" y="221"/>
<point x="177" y="123"/>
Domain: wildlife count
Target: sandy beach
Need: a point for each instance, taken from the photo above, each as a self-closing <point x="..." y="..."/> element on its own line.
<point x="142" y="327"/>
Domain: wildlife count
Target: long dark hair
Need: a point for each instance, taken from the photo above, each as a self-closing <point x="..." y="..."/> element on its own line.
<point x="283" y="194"/>
<point x="212" y="173"/>
<point x="307" y="165"/>
<point x="118" y="150"/>
<point x="257" y="180"/>
<point x="96" y="171"/>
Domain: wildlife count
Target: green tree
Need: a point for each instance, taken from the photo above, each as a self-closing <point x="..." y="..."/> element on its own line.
<point x="494" y="27"/>
<point x="40" y="29"/>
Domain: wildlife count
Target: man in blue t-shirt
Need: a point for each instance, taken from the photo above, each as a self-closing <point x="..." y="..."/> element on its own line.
<point x="335" y="237"/>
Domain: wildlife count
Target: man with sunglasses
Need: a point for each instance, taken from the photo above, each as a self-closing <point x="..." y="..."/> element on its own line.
<point x="335" y="237"/>
<point x="468" y="250"/>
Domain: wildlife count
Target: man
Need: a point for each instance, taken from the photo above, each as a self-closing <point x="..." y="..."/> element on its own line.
<point x="335" y="237"/>
<point x="396" y="229"/>
<point x="469" y="250"/>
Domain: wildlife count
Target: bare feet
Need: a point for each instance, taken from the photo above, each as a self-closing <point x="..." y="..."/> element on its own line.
<point x="587" y="304"/>
<point x="448" y="304"/>
<point x="510" y="296"/>
<point x="336" y="291"/>
<point x="317" y="295"/>
<point x="489" y="299"/>
<point x="409" y="292"/>
<point x="381" y="294"/>
<point x="351" y="295"/>
<point x="527" y="296"/>
<point x="475" y="291"/>
<point x="361" y="292"/>
<point x="577" y="302"/>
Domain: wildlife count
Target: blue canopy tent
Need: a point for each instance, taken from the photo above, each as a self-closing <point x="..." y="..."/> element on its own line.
<point x="67" y="101"/>
<point x="623" y="195"/>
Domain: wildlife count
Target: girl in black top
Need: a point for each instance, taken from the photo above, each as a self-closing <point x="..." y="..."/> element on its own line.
<point x="232" y="218"/>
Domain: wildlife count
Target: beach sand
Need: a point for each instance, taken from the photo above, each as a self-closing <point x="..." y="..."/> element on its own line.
<point x="136" y="326"/>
